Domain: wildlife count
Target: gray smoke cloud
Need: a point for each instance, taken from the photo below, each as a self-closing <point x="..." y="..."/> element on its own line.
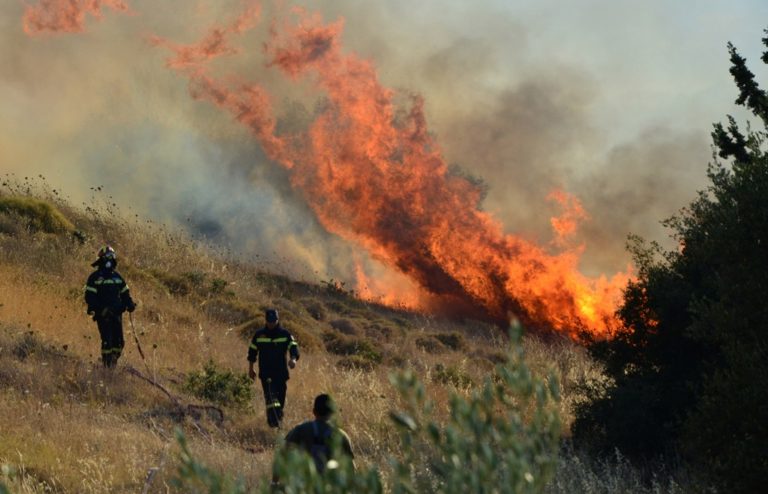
<point x="100" y="108"/>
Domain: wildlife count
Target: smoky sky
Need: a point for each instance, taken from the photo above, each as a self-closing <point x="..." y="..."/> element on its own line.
<point x="516" y="96"/>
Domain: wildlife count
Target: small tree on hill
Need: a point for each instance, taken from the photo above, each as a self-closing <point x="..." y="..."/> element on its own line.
<point x="689" y="371"/>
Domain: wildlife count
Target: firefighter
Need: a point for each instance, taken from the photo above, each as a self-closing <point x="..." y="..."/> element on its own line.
<point x="317" y="437"/>
<point x="270" y="345"/>
<point x="323" y="440"/>
<point x="107" y="297"/>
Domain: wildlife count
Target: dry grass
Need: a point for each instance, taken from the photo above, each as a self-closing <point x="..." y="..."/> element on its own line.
<point x="68" y="426"/>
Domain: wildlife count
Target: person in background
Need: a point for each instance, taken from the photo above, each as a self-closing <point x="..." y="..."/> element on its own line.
<point x="107" y="297"/>
<point x="269" y="346"/>
<point x="316" y="437"/>
<point x="320" y="438"/>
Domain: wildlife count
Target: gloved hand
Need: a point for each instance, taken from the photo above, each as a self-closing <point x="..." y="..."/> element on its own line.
<point x="91" y="313"/>
<point x="131" y="307"/>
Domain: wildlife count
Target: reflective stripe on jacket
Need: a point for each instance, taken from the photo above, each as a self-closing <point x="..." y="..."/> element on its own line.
<point x="107" y="290"/>
<point x="270" y="347"/>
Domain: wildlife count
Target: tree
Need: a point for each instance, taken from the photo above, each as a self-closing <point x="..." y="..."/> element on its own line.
<point x="688" y="370"/>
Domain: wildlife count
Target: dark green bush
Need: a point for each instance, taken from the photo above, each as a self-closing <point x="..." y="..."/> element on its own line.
<point x="452" y="375"/>
<point x="316" y="310"/>
<point x="220" y="386"/>
<point x="174" y="283"/>
<point x="430" y="344"/>
<point x="194" y="278"/>
<point x="217" y="286"/>
<point x="351" y="345"/>
<point x="380" y="330"/>
<point x="688" y="372"/>
<point x="345" y="326"/>
<point x="453" y="340"/>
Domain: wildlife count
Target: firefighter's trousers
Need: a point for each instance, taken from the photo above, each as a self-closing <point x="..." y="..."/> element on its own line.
<point x="112" y="343"/>
<point x="274" y="399"/>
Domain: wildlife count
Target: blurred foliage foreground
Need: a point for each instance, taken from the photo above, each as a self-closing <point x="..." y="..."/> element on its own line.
<point x="503" y="438"/>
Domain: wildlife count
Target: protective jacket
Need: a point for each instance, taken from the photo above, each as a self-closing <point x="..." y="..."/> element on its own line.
<point x="106" y="293"/>
<point x="316" y="437"/>
<point x="271" y="346"/>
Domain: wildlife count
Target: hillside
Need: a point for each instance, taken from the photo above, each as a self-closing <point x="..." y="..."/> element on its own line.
<point x="67" y="425"/>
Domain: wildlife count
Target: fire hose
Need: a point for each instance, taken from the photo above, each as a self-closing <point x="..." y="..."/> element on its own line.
<point x="138" y="344"/>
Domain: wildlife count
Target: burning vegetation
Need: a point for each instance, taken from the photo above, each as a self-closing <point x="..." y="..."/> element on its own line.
<point x="374" y="175"/>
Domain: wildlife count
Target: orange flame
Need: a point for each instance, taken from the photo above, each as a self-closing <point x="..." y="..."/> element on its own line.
<point x="214" y="44"/>
<point x="387" y="290"/>
<point x="567" y="223"/>
<point x="378" y="178"/>
<point x="67" y="16"/>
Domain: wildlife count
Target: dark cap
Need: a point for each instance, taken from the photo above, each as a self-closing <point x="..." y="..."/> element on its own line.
<point x="324" y="405"/>
<point x="271" y="315"/>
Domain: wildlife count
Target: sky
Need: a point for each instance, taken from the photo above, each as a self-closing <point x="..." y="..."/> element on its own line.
<point x="611" y="101"/>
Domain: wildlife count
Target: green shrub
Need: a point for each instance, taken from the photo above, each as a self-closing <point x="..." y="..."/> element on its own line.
<point x="453" y="340"/>
<point x="39" y="215"/>
<point x="219" y="386"/>
<point x="350" y="345"/>
<point x="217" y="286"/>
<point x="452" y="375"/>
<point x="380" y="330"/>
<point x="430" y="344"/>
<point x="305" y="334"/>
<point x="316" y="309"/>
<point x="503" y="438"/>
<point x="174" y="283"/>
<point x="345" y="326"/>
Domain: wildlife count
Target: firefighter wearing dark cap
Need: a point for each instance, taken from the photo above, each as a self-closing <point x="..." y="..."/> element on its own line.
<point x="107" y="296"/>
<point x="270" y="345"/>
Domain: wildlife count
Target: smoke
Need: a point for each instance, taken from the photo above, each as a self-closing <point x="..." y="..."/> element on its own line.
<point x="102" y="109"/>
<point x="641" y="184"/>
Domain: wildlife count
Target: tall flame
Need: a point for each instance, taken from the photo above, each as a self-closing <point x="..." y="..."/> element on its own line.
<point x="376" y="176"/>
<point x="373" y="174"/>
<point x="67" y="16"/>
